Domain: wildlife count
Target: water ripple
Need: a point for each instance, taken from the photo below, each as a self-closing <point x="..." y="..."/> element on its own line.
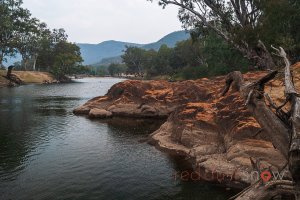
<point x="48" y="153"/>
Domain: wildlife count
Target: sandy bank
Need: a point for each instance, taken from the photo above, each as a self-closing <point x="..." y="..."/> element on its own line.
<point x="27" y="77"/>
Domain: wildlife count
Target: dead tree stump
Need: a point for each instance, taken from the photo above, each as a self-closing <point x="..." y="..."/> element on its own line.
<point x="283" y="128"/>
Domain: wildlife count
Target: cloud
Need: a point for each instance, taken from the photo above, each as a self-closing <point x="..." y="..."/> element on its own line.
<point x="93" y="21"/>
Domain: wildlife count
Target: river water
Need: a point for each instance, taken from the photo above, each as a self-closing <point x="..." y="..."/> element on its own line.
<point x="47" y="153"/>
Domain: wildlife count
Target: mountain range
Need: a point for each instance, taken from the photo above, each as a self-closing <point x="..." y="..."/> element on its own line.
<point x="110" y="51"/>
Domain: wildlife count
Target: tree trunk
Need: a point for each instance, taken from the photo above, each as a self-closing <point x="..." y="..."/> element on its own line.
<point x="253" y="95"/>
<point x="271" y="190"/>
<point x="265" y="60"/>
<point x="1" y="59"/>
<point x="294" y="97"/>
<point x="294" y="153"/>
<point x="25" y="61"/>
<point x="284" y="131"/>
<point x="9" y="70"/>
<point x="12" y="77"/>
<point x="259" y="54"/>
<point x="34" y="62"/>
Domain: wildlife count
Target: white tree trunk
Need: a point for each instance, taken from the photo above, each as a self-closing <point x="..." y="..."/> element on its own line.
<point x="34" y="62"/>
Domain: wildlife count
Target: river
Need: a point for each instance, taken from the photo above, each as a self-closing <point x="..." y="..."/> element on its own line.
<point x="47" y="153"/>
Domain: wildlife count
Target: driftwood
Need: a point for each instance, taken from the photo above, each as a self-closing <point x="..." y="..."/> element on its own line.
<point x="254" y="97"/>
<point x="14" y="80"/>
<point x="293" y="97"/>
<point x="9" y="70"/>
<point x="282" y="128"/>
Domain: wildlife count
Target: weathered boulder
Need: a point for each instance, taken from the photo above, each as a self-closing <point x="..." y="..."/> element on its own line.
<point x="99" y="113"/>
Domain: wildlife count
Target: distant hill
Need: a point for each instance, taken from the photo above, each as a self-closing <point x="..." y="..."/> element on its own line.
<point x="110" y="51"/>
<point x="170" y="40"/>
<point x="108" y="61"/>
<point x="93" y="53"/>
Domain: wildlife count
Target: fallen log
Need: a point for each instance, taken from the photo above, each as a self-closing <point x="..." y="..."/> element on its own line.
<point x="282" y="128"/>
<point x="253" y="93"/>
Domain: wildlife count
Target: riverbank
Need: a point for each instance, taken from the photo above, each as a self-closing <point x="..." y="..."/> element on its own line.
<point x="28" y="77"/>
<point x="218" y="133"/>
<point x="3" y="81"/>
<point x="46" y="148"/>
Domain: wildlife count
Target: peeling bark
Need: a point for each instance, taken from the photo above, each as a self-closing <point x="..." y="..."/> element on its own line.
<point x="294" y="98"/>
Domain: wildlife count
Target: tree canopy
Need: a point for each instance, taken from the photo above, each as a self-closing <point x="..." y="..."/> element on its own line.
<point x="40" y="47"/>
<point x="208" y="55"/>
<point x="134" y="58"/>
<point x="250" y="26"/>
<point x="13" y="22"/>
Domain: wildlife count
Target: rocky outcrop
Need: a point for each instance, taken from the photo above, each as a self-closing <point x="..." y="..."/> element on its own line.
<point x="156" y="99"/>
<point x="99" y="113"/>
<point x="218" y="133"/>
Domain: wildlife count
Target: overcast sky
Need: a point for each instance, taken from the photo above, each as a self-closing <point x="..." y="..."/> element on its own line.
<point x="94" y="21"/>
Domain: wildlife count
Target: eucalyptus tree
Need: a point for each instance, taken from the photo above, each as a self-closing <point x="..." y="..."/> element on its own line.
<point x="67" y="59"/>
<point x="12" y="17"/>
<point x="44" y="52"/>
<point x="26" y="40"/>
<point x="242" y="23"/>
<point x="134" y="59"/>
<point x="40" y="42"/>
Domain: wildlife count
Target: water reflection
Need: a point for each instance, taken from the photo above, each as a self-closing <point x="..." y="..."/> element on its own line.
<point x="48" y="153"/>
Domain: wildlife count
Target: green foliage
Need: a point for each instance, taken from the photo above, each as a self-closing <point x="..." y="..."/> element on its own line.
<point x="221" y="58"/>
<point x="206" y="56"/>
<point x="66" y="59"/>
<point x="13" y="21"/>
<point x="18" y="66"/>
<point x="186" y="53"/>
<point x="281" y="25"/>
<point x="134" y="58"/>
<point x="149" y="62"/>
<point x="116" y="69"/>
<point x="209" y="56"/>
<point x="101" y="72"/>
<point x="50" y="44"/>
<point x="39" y="47"/>
<point x="278" y="24"/>
<point x="162" y="60"/>
<point x="249" y="26"/>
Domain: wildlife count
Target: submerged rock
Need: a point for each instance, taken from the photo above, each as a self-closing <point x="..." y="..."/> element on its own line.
<point x="219" y="133"/>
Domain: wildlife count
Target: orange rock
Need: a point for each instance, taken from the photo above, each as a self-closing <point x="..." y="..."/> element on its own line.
<point x="99" y="113"/>
<point x="219" y="132"/>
